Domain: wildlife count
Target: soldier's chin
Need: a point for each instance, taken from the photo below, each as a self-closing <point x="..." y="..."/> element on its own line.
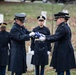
<point x="41" y="25"/>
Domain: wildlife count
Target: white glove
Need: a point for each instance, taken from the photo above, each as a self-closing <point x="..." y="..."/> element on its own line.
<point x="48" y="52"/>
<point x="32" y="34"/>
<point x="31" y="52"/>
<point x="42" y="38"/>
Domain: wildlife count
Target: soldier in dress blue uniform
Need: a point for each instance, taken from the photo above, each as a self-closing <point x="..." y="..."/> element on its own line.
<point x="40" y="49"/>
<point x="63" y="55"/>
<point x="4" y="48"/>
<point x="19" y="34"/>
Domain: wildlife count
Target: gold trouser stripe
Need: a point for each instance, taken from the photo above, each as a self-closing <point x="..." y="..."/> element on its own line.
<point x="64" y="72"/>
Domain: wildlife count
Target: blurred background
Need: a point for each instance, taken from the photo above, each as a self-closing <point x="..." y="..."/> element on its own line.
<point x="32" y="10"/>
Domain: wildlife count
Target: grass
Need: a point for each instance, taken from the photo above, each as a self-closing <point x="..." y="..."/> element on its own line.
<point x="32" y="10"/>
<point x="47" y="72"/>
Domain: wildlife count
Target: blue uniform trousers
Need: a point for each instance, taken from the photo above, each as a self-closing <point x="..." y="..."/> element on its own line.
<point x="39" y="71"/>
<point x="16" y="73"/>
<point x="62" y="73"/>
<point x="2" y="70"/>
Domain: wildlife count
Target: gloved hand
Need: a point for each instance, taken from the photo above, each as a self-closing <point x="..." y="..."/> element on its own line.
<point x="48" y="52"/>
<point x="42" y="38"/>
<point x="32" y="34"/>
<point x="31" y="52"/>
<point x="37" y="34"/>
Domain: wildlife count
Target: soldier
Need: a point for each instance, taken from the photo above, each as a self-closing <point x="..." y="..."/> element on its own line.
<point x="40" y="49"/>
<point x="63" y="55"/>
<point x="19" y="34"/>
<point x="4" y="48"/>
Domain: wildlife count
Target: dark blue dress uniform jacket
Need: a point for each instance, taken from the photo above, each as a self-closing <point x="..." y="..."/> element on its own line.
<point x="63" y="54"/>
<point x="17" y="62"/>
<point x="4" y="47"/>
<point x="40" y="56"/>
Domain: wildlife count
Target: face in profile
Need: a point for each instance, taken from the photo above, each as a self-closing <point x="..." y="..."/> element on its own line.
<point x="59" y="21"/>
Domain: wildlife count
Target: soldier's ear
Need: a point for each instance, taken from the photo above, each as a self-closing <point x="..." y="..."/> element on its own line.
<point x="16" y="20"/>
